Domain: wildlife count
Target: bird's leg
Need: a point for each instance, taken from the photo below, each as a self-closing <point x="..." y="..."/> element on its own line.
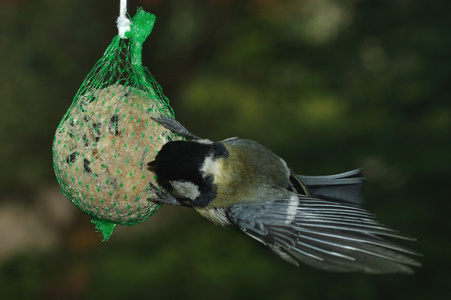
<point x="164" y="197"/>
<point x="175" y="126"/>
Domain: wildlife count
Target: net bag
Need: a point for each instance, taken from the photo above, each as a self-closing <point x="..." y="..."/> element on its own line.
<point x="106" y="138"/>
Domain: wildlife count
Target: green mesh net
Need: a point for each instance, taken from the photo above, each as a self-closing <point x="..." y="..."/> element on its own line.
<point x="106" y="138"/>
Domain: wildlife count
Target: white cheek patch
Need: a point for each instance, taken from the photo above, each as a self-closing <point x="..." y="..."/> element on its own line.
<point x="211" y="167"/>
<point x="186" y="189"/>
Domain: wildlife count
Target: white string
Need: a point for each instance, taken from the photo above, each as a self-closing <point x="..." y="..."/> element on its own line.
<point x="123" y="23"/>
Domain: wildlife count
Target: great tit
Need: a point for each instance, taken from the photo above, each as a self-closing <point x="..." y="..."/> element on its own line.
<point x="316" y="220"/>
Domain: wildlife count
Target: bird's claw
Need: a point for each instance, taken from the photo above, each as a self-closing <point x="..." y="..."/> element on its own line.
<point x="164" y="197"/>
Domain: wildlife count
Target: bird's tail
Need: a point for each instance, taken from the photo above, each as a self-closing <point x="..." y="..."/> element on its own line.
<point x="343" y="187"/>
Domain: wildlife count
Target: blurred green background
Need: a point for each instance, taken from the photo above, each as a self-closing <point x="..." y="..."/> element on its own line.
<point x="327" y="85"/>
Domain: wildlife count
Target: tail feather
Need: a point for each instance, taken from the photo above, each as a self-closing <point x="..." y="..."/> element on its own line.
<point x="344" y="187"/>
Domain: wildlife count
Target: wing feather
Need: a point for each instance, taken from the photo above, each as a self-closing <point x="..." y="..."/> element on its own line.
<point x="325" y="234"/>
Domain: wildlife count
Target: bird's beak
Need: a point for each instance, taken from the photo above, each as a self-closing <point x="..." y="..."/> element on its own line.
<point x="151" y="166"/>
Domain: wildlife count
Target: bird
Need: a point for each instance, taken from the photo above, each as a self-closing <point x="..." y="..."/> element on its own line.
<point x="314" y="220"/>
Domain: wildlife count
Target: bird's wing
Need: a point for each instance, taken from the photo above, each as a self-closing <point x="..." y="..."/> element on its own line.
<point x="325" y="235"/>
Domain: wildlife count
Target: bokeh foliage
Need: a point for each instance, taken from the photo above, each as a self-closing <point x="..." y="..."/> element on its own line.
<point x="327" y="85"/>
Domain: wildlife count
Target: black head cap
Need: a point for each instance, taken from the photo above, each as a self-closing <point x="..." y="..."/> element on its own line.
<point x="182" y="160"/>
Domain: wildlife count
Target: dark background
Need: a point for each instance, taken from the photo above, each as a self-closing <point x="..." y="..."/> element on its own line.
<point x="327" y="85"/>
